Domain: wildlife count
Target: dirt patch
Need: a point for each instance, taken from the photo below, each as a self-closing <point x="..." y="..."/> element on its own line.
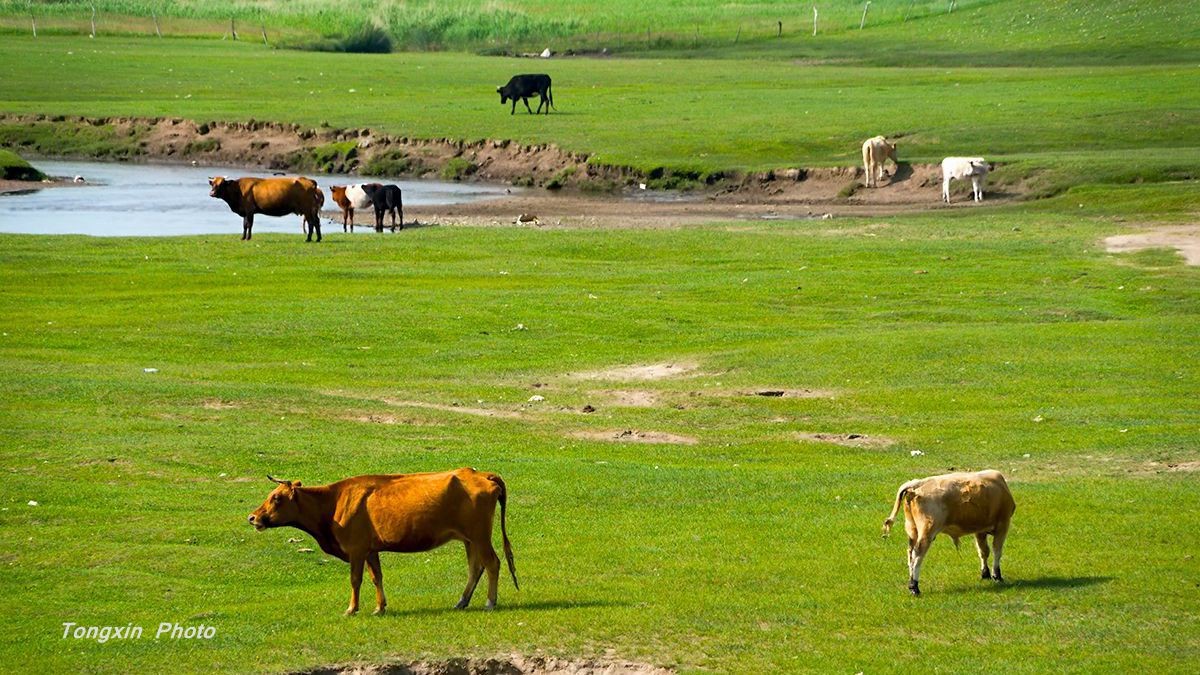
<point x="848" y="440"/>
<point x="635" y="436"/>
<point x="1183" y="238"/>
<point x="775" y="392"/>
<point x="455" y="408"/>
<point x="653" y="371"/>
<point x="510" y="665"/>
<point x="386" y="419"/>
<point x="629" y="399"/>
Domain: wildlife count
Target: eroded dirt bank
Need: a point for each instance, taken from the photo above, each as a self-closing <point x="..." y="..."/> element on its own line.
<point x="785" y="192"/>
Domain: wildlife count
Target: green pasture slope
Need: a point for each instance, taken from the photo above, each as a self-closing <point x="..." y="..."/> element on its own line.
<point x="1001" y="337"/>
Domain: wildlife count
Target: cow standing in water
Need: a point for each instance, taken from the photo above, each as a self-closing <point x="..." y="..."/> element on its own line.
<point x="358" y="518"/>
<point x="522" y="87"/>
<point x="271" y="197"/>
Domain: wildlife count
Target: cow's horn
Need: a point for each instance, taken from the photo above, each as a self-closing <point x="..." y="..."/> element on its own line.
<point x="276" y="480"/>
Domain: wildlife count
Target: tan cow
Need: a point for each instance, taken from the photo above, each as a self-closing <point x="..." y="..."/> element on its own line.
<point x="875" y="152"/>
<point x="958" y="504"/>
<point x="357" y="518"/>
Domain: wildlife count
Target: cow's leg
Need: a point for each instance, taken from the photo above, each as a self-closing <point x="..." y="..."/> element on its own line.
<point x="514" y="107"/>
<point x="378" y="219"/>
<point x="393" y="213"/>
<point x="998" y="544"/>
<point x="474" y="571"/>
<point x="981" y="545"/>
<point x="247" y="226"/>
<point x="316" y="224"/>
<point x="356" y="569"/>
<point x="377" y="578"/>
<point x="977" y="188"/>
<point x="351" y="220"/>
<point x="526" y="102"/>
<point x="946" y="189"/>
<point x="919" y="553"/>
<point x="491" y="562"/>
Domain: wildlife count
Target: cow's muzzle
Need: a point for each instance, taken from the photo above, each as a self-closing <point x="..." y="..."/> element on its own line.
<point x="258" y="523"/>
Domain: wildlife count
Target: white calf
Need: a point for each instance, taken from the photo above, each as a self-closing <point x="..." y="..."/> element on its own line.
<point x="975" y="168"/>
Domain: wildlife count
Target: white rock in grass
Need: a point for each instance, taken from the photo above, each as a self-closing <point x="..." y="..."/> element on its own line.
<point x="32" y="503"/>
<point x="916" y="453"/>
<point x="536" y="398"/>
<point x="149" y="370"/>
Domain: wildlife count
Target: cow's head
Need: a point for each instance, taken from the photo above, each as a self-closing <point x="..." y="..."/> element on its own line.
<point x="503" y="95"/>
<point x="280" y="507"/>
<point x="215" y="184"/>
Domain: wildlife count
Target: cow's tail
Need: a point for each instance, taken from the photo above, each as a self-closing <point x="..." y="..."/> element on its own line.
<point x="900" y="495"/>
<point x="508" y="552"/>
<point x="550" y="95"/>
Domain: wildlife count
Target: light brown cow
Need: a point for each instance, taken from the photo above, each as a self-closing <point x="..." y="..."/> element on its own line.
<point x="271" y="197"/>
<point x="875" y="151"/>
<point x="958" y="504"/>
<point x="357" y="518"/>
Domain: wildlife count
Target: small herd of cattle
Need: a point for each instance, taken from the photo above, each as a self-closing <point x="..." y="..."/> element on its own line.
<point x="358" y="518"/>
<point x="301" y="196"/>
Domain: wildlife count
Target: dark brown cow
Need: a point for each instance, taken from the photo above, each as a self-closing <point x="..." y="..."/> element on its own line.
<point x="357" y="518"/>
<point x="271" y="197"/>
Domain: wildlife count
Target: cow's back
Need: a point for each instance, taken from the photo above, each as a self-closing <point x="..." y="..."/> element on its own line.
<point x="966" y="502"/>
<point x="417" y="512"/>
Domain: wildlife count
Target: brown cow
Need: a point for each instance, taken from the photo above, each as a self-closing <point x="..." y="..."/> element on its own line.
<point x="958" y="504"/>
<point x="338" y="193"/>
<point x="356" y="518"/>
<point x="271" y="197"/>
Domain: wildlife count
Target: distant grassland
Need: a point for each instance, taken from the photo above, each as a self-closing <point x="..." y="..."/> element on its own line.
<point x="996" y="32"/>
<point x="1070" y="124"/>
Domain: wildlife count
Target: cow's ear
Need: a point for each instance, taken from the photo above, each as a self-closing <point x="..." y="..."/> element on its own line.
<point x="296" y="484"/>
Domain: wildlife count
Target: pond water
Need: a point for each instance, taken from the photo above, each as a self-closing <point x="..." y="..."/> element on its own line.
<point x="156" y="200"/>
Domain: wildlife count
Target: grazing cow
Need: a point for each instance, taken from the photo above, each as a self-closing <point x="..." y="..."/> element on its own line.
<point x="357" y="518"/>
<point x="875" y="151"/>
<point x="350" y="197"/>
<point x="271" y="197"/>
<point x="522" y="87"/>
<point x="385" y="199"/>
<point x="958" y="504"/>
<point x="975" y="168"/>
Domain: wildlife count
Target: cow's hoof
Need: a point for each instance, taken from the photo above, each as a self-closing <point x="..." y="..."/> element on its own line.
<point x="380" y="611"/>
<point x="351" y="611"/>
<point x="914" y="589"/>
<point x="462" y="604"/>
<point x="999" y="579"/>
<point x="490" y="606"/>
<point x="985" y="574"/>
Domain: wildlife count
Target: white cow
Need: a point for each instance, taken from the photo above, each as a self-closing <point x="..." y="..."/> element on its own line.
<point x="875" y="152"/>
<point x="975" y="168"/>
<point x="358" y="197"/>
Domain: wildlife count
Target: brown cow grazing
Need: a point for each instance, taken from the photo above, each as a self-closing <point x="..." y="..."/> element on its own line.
<point x="271" y="197"/>
<point x="958" y="504"/>
<point x="357" y="518"/>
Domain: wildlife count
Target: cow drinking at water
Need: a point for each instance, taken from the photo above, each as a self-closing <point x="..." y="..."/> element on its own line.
<point x="522" y="87"/>
<point x="357" y="518"/>
<point x="271" y="197"/>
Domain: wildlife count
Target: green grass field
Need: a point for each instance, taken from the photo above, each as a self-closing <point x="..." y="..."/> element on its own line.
<point x="752" y="550"/>
<point x="150" y="384"/>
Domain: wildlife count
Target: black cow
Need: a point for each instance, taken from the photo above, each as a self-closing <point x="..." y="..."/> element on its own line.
<point x="386" y="199"/>
<point x="524" y="86"/>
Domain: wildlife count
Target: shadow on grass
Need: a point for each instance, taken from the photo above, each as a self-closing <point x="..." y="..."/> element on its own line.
<point x="477" y="606"/>
<point x="1058" y="583"/>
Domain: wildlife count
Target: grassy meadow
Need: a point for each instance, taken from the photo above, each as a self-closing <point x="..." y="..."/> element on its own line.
<point x="1021" y="346"/>
<point x="151" y="383"/>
